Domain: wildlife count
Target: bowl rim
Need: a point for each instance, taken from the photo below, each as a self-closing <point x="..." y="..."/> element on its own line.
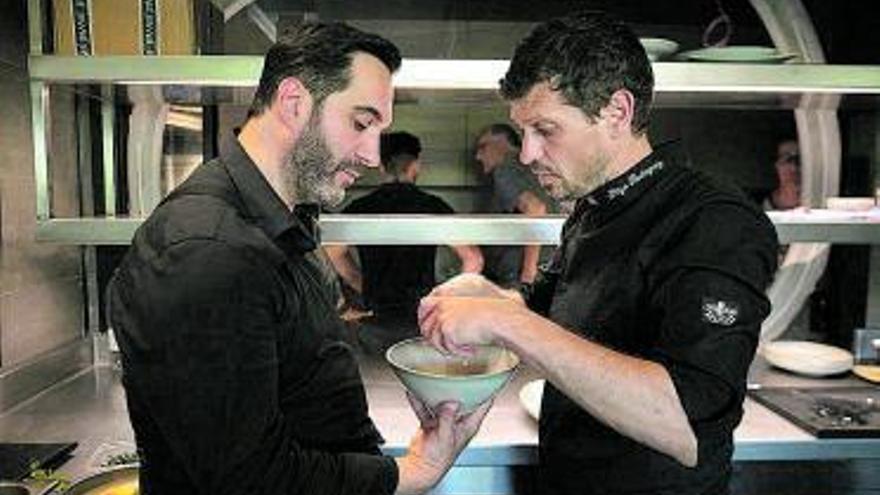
<point x="507" y="369"/>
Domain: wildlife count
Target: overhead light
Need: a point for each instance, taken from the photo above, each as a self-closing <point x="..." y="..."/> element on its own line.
<point x="417" y="73"/>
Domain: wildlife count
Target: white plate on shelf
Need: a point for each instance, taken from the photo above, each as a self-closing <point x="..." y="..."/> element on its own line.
<point x="530" y="397"/>
<point x="738" y="54"/>
<point x="658" y="48"/>
<point x="808" y="358"/>
<point x="850" y="204"/>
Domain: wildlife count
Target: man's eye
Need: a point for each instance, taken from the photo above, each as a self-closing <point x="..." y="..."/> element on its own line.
<point x="360" y="126"/>
<point x="544" y="131"/>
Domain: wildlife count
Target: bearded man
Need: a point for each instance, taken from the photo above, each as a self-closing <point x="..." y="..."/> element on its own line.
<point x="236" y="376"/>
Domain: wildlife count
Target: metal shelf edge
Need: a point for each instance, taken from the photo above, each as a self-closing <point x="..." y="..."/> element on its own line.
<point x="440" y="230"/>
<point x="242" y="70"/>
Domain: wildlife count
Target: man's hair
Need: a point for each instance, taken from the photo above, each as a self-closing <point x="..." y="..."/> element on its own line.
<point x="398" y="150"/>
<point x="319" y="55"/>
<point x="505" y="130"/>
<point x="587" y="57"/>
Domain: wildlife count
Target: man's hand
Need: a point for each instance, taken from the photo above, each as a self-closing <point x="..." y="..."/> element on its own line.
<point x="442" y="436"/>
<point x="472" y="285"/>
<point x="455" y="324"/>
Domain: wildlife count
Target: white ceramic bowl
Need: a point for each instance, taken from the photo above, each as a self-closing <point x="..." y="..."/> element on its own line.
<point x="434" y="377"/>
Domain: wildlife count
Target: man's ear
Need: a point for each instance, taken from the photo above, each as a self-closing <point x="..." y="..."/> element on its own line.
<point x="293" y="103"/>
<point x="618" y="113"/>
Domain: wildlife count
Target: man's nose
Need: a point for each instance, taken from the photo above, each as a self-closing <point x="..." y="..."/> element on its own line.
<point x="530" y="150"/>
<point x="368" y="152"/>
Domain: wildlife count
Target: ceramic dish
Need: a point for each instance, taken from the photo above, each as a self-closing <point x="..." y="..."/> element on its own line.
<point x="738" y="54"/>
<point x="658" y="48"/>
<point x="808" y="358"/>
<point x="530" y="397"/>
<point x="434" y="377"/>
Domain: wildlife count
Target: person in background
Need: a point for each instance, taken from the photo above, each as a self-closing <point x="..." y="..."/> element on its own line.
<point x="648" y="318"/>
<point x="392" y="279"/>
<point x="515" y="189"/>
<point x="236" y="378"/>
<point x="787" y="194"/>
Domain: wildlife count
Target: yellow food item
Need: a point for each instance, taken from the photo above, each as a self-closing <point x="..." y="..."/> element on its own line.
<point x="868" y="372"/>
<point x="129" y="487"/>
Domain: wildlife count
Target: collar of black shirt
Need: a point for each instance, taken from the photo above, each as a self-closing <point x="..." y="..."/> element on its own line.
<point x="297" y="230"/>
<point x="616" y="194"/>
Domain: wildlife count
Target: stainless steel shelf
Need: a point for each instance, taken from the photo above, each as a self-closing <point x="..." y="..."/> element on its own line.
<point x="462" y="75"/>
<point x="455" y="229"/>
<point x="88" y="231"/>
<point x="224" y="70"/>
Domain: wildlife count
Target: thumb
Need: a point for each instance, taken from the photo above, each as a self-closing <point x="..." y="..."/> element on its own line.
<point x="446" y="422"/>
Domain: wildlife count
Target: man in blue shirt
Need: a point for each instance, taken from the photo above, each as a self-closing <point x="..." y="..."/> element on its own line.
<point x="515" y="190"/>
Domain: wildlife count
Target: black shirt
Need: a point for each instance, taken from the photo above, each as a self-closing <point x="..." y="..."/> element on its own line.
<point x="235" y="376"/>
<point x="397" y="277"/>
<point x="667" y="265"/>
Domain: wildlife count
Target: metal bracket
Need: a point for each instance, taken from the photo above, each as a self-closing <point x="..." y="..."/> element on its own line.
<point x="866" y="346"/>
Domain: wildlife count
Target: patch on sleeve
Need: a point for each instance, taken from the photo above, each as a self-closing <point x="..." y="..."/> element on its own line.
<point x="718" y="312"/>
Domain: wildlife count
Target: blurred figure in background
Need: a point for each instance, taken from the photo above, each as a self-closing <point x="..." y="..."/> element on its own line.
<point x="787" y="194"/>
<point x="392" y="279"/>
<point x="515" y="189"/>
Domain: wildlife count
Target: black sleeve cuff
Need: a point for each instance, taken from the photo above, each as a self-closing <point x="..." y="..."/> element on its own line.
<point x="378" y="472"/>
<point x="388" y="478"/>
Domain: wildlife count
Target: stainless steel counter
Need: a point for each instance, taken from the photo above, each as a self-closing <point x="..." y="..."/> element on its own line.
<point x="509" y="434"/>
<point x="90" y="408"/>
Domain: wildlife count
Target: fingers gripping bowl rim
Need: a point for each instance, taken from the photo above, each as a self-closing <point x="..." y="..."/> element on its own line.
<point x="434" y="377"/>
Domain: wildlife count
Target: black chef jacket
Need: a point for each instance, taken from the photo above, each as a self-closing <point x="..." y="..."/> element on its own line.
<point x="397" y="277"/>
<point x="235" y="376"/>
<point x="665" y="264"/>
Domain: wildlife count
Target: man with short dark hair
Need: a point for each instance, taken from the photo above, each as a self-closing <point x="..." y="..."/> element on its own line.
<point x="392" y="279"/>
<point x="648" y="317"/>
<point x="514" y="190"/>
<point x="236" y="376"/>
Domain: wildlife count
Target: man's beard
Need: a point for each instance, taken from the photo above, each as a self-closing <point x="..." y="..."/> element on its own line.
<point x="309" y="174"/>
<point x="596" y="176"/>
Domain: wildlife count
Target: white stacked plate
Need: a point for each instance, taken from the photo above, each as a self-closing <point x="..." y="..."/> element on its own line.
<point x="808" y="358"/>
<point x="658" y="48"/>
<point x="738" y="54"/>
<point x="850" y="204"/>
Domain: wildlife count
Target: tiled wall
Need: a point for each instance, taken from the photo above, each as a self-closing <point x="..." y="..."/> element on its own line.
<point x="41" y="296"/>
